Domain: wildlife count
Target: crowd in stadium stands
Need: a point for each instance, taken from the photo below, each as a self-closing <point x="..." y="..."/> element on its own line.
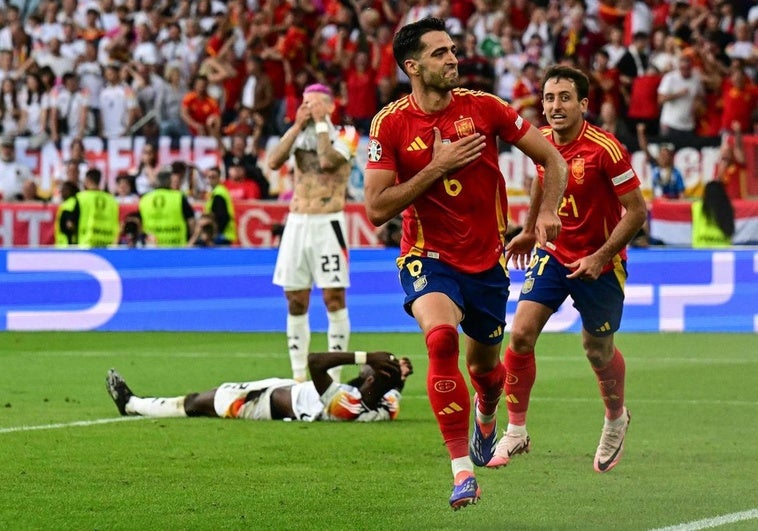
<point x="235" y="69"/>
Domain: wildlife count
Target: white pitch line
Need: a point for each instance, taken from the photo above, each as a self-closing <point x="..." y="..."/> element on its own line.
<point x="68" y="424"/>
<point x="709" y="523"/>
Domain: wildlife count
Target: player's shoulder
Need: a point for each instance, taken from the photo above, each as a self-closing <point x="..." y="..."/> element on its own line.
<point x="480" y="97"/>
<point x="389" y="113"/>
<point x="604" y="141"/>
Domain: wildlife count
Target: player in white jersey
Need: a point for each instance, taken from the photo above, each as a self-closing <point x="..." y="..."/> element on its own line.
<point x="313" y="249"/>
<point x="372" y="396"/>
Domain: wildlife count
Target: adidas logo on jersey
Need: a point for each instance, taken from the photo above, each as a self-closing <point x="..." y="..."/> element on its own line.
<point x="417" y="145"/>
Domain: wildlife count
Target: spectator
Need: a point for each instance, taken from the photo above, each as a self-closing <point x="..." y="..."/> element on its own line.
<point x="95" y="214"/>
<point x="224" y="78"/>
<point x="743" y="46"/>
<point x="51" y="56"/>
<point x="6" y="64"/>
<point x="615" y="46"/>
<point x="35" y="107"/>
<point x="632" y="64"/>
<point x="680" y="95"/>
<point x="238" y="154"/>
<point x="731" y="169"/>
<point x="167" y="216"/>
<point x="13" y="174"/>
<point x="201" y="112"/>
<point x="187" y="179"/>
<point x="220" y="206"/>
<point x="611" y="122"/>
<point x="664" y="54"/>
<point x="642" y="105"/>
<point x="68" y="109"/>
<point x="738" y="94"/>
<point x="527" y="94"/>
<point x="75" y="165"/>
<point x="577" y="40"/>
<point x="146" y="174"/>
<point x="240" y="187"/>
<point x="475" y="70"/>
<point x="258" y="91"/>
<point x="125" y="192"/>
<point x="712" y="218"/>
<point x="30" y="192"/>
<point x="667" y="179"/>
<point x="168" y="107"/>
<point x="359" y="90"/>
<point x="604" y="85"/>
<point x="172" y="47"/>
<point x="118" y="105"/>
<point x="10" y="107"/>
<point x="72" y="44"/>
<point x="507" y="67"/>
<point x="91" y="80"/>
<point x="148" y="86"/>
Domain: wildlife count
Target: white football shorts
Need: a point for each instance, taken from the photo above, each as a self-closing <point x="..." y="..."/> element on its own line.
<point x="313" y="250"/>
<point x="259" y="408"/>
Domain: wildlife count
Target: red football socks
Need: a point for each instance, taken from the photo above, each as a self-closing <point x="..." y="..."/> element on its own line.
<point x="521" y="371"/>
<point x="611" y="381"/>
<point x="447" y="389"/>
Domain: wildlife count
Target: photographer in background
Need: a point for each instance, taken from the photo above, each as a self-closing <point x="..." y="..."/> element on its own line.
<point x="206" y="233"/>
<point x="131" y="234"/>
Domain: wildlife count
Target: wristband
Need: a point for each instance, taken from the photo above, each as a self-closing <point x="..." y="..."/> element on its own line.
<point x="322" y="127"/>
<point x="359" y="357"/>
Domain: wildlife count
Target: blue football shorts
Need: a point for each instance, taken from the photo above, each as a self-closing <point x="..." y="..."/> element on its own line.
<point x="481" y="296"/>
<point x="600" y="303"/>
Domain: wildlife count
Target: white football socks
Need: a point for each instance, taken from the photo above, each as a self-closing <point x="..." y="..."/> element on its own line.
<point x="156" y="407"/>
<point x="298" y="343"/>
<point x="338" y="337"/>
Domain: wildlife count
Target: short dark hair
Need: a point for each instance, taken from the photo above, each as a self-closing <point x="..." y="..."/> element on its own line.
<point x="94" y="175"/>
<point x="407" y="41"/>
<point x="579" y="78"/>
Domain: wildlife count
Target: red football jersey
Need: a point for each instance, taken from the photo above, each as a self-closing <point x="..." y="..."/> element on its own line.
<point x="461" y="219"/>
<point x="599" y="172"/>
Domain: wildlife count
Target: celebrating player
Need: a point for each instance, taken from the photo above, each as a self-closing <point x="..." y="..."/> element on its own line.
<point x="433" y="156"/>
<point x="601" y="211"/>
<point x="374" y="395"/>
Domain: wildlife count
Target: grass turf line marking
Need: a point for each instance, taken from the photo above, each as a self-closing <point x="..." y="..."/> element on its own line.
<point x="77" y="423"/>
<point x="709" y="523"/>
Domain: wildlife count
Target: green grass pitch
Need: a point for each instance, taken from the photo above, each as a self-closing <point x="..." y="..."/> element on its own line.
<point x="66" y="462"/>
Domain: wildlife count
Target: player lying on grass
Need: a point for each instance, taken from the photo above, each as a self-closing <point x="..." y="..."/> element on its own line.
<point x="373" y="395"/>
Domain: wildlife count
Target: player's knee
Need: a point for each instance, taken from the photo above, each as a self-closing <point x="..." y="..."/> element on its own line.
<point x="598" y="355"/>
<point x="297" y="302"/>
<point x="522" y="341"/>
<point x="192" y="406"/>
<point x="334" y="300"/>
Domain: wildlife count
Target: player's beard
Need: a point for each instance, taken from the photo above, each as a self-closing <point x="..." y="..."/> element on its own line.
<point x="441" y="81"/>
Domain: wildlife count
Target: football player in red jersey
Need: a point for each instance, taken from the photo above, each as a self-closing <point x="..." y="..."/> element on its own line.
<point x="601" y="211"/>
<point x="433" y="155"/>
